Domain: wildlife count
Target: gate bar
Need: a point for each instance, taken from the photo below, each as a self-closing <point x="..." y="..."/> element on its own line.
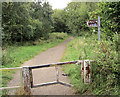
<point x="45" y="84"/>
<point x="53" y="64"/>
<point x="14" y="87"/>
<point x="1" y="69"/>
<point x="46" y="65"/>
<point x="51" y="83"/>
<point x="66" y="84"/>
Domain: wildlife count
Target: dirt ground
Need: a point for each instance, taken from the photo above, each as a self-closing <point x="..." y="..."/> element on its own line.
<point x="48" y="74"/>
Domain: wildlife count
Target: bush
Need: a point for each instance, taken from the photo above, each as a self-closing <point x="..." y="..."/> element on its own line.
<point x="57" y="35"/>
<point x="6" y="56"/>
<point x="105" y="71"/>
<point x="8" y="52"/>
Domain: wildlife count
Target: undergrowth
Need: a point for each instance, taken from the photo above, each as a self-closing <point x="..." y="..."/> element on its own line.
<point x="105" y="69"/>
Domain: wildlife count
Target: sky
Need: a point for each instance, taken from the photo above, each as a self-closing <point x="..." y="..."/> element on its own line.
<point x="58" y="4"/>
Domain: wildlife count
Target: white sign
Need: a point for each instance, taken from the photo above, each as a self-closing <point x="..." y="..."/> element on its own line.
<point x="92" y="23"/>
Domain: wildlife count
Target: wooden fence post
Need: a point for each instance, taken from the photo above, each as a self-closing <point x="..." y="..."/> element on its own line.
<point x="87" y="72"/>
<point x="31" y="77"/>
<point x="82" y="70"/>
<point x="26" y="79"/>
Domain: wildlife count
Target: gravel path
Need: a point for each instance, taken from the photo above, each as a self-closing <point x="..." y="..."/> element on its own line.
<point x="48" y="74"/>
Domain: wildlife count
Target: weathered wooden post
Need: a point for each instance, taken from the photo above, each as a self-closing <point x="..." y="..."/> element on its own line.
<point x="82" y="70"/>
<point x="27" y="79"/>
<point x="87" y="72"/>
<point x="31" y="77"/>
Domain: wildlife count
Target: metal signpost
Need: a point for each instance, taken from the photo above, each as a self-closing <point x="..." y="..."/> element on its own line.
<point x="95" y="23"/>
<point x="99" y="27"/>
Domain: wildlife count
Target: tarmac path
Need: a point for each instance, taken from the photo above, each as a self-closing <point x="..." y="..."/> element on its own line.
<point x="48" y="74"/>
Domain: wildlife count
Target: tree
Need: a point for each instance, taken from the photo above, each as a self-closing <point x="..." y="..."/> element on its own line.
<point x="76" y="14"/>
<point x="58" y="18"/>
<point x="25" y="21"/>
<point x="110" y="19"/>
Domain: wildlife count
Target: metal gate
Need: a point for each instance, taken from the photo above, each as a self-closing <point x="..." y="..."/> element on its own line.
<point x="28" y="76"/>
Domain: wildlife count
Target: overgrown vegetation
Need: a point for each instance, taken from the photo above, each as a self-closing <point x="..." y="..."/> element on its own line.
<point x="105" y="69"/>
<point x="73" y="18"/>
<point x="23" y="22"/>
<point x="110" y="19"/>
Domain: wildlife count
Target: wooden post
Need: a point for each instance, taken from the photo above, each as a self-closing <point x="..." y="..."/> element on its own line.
<point x="26" y="79"/>
<point x="31" y="78"/>
<point x="82" y="70"/>
<point x="87" y="71"/>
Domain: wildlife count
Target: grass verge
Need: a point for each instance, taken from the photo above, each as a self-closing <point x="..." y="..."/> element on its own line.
<point x="105" y="72"/>
<point x="14" y="56"/>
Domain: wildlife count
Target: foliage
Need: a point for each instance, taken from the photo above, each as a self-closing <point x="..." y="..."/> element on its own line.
<point x="12" y="53"/>
<point x="105" y="71"/>
<point x="110" y="19"/>
<point x="25" y="21"/>
<point x="76" y="15"/>
<point x="73" y="18"/>
<point x="32" y="23"/>
<point x="59" y="21"/>
<point x="57" y="35"/>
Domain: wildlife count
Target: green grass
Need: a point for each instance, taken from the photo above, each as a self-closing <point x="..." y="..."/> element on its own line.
<point x="14" y="56"/>
<point x="24" y="53"/>
<point x="105" y="73"/>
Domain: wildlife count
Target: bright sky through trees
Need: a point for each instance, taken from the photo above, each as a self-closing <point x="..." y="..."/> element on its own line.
<point x="58" y="4"/>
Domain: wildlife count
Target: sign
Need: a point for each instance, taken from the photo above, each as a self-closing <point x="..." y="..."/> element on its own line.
<point x="95" y="23"/>
<point x="92" y="23"/>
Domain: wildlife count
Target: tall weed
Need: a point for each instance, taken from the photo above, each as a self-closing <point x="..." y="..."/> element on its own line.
<point x="105" y="69"/>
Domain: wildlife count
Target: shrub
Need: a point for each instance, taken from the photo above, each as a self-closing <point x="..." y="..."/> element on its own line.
<point x="57" y="35"/>
<point x="105" y="71"/>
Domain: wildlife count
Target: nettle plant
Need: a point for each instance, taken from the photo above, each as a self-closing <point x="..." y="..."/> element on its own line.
<point x="105" y="75"/>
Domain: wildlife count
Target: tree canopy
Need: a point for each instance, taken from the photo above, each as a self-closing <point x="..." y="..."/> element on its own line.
<point x="25" y="21"/>
<point x="28" y="21"/>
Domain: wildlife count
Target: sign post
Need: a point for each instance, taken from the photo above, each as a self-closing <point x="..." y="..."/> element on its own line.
<point x="99" y="27"/>
<point x="95" y="23"/>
